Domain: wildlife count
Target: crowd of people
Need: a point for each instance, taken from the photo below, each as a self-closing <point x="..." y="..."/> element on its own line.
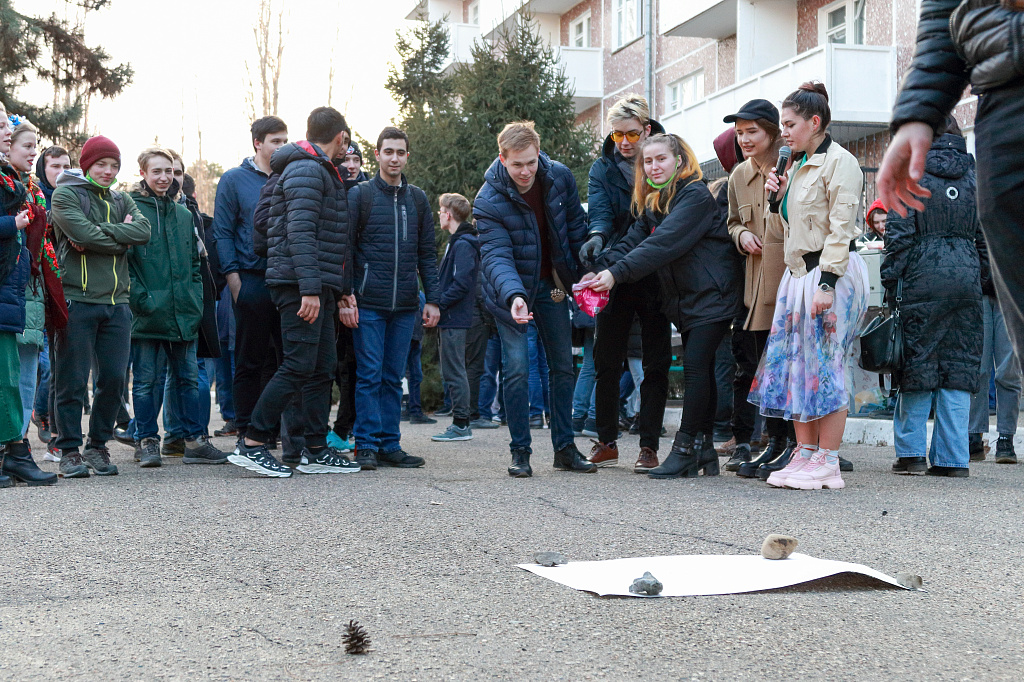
<point x="311" y="274"/>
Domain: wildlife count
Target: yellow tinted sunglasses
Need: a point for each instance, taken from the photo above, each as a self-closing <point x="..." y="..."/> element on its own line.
<point x="632" y="136"/>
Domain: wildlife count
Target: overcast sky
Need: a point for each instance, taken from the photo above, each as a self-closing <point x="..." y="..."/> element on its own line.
<point x="189" y="60"/>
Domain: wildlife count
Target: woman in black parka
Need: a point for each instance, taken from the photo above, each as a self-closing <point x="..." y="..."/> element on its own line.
<point x="934" y="253"/>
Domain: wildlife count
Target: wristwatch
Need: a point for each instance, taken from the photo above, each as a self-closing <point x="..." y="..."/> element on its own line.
<point x="827" y="288"/>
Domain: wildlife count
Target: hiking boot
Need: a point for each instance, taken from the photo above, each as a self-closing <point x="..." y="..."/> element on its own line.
<point x="740" y="455"/>
<point x="976" y="447"/>
<point x="42" y="427"/>
<point x="329" y="461"/>
<point x="259" y="460"/>
<point x="603" y="455"/>
<point x="816" y="474"/>
<point x="71" y="465"/>
<point x="201" y="451"/>
<point x="16" y="462"/>
<point x="173" y="448"/>
<point x="229" y="429"/>
<point x="682" y="460"/>
<point x="951" y="472"/>
<point x="570" y="458"/>
<point x="97" y="458"/>
<point x="520" y="464"/>
<point x="400" y="458"/>
<point x="484" y="424"/>
<point x="452" y="433"/>
<point x="121" y="435"/>
<point x="1004" y="451"/>
<point x="420" y="418"/>
<point x="366" y="459"/>
<point x="149" y="453"/>
<point x="647" y="460"/>
<point x="910" y="466"/>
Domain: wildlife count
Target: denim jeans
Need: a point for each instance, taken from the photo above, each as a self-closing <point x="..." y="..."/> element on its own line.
<point x="28" y="355"/>
<point x="147" y="389"/>
<point x="997" y="354"/>
<point x="489" y="379"/>
<point x="583" y="395"/>
<point x="174" y="425"/>
<point x="949" y="436"/>
<point x="382" y="342"/>
<point x="225" y="370"/>
<point x="555" y="332"/>
<point x="538" y="373"/>
<point x="636" y="370"/>
<point x="42" y="401"/>
<point x="414" y="375"/>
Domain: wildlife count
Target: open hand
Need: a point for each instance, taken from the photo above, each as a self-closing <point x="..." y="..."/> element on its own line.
<point x="898" y="180"/>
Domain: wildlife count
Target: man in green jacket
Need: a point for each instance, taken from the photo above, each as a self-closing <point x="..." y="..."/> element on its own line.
<point x="167" y="303"/>
<point x="95" y="226"/>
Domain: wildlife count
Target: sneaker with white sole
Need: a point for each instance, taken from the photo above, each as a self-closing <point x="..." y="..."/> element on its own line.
<point x="453" y="432"/>
<point x="801" y="456"/>
<point x="817" y="474"/>
<point x="259" y="460"/>
<point x="330" y="461"/>
<point x="52" y="454"/>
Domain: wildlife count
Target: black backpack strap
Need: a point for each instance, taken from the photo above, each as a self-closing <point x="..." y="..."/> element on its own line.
<point x="365" y="202"/>
<point x="420" y="204"/>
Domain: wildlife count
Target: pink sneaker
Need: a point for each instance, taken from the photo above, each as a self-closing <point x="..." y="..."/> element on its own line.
<point x="817" y="474"/>
<point x="796" y="463"/>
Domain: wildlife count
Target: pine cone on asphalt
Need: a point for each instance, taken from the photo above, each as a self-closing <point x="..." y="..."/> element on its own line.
<point x="355" y="639"/>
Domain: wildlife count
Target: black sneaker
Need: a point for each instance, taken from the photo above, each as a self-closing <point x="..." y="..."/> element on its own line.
<point x="366" y="459"/>
<point x="149" y="453"/>
<point x="740" y="456"/>
<point x="536" y="422"/>
<point x="330" y="461"/>
<point x="484" y="424"/>
<point x="951" y="472"/>
<point x="577" y="425"/>
<point x="71" y="465"/>
<point x="845" y="465"/>
<point x="570" y="458"/>
<point x="589" y="428"/>
<point x="229" y="429"/>
<point x="201" y="451"/>
<point x="420" y="418"/>
<point x="1004" y="451"/>
<point x="97" y="458"/>
<point x="520" y="464"/>
<point x="910" y="466"/>
<point x="259" y="460"/>
<point x="401" y="459"/>
<point x="443" y="412"/>
<point x="174" y="447"/>
<point x="295" y="458"/>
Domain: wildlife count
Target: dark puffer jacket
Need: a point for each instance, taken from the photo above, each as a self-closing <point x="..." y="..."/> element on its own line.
<point x="307" y="228"/>
<point x="510" y="238"/>
<point x="457" y="280"/>
<point x="959" y="41"/>
<point x="610" y="192"/>
<point x="392" y="241"/>
<point x="692" y="253"/>
<point x="935" y="254"/>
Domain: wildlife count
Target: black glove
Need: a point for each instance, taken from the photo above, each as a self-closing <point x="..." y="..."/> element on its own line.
<point x="590" y="250"/>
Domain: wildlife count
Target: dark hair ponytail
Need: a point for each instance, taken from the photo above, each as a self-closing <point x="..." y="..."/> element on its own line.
<point x="810" y="99"/>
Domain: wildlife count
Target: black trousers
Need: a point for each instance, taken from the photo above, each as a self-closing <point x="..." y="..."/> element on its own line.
<point x="611" y="341"/>
<point x="476" y="354"/>
<point x="998" y="143"/>
<point x="345" y="377"/>
<point x="748" y="347"/>
<point x="257" y="344"/>
<point x="700" y="391"/>
<point x="307" y="370"/>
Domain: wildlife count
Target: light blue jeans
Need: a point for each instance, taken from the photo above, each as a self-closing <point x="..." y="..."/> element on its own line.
<point x="997" y="354"/>
<point x="583" y="396"/>
<point x="949" y="436"/>
<point x="28" y="355"/>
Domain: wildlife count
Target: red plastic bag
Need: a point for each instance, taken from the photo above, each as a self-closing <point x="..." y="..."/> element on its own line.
<point x="591" y="302"/>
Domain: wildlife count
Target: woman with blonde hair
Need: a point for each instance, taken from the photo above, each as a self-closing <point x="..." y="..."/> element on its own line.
<point x="681" y="234"/>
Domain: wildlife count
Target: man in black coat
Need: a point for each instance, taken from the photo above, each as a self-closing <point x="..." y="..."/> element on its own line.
<point x="307" y="239"/>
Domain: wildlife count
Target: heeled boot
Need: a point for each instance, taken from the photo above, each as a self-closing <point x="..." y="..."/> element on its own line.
<point x="19" y="465"/>
<point x="683" y="460"/>
<point x="770" y="452"/>
<point x="708" y="461"/>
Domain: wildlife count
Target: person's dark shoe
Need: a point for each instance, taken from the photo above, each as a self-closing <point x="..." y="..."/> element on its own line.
<point x="257" y="458"/>
<point x="647" y="460"/>
<point x="173" y="448"/>
<point x="271" y="444"/>
<point x="294" y="458"/>
<point x="603" y="455"/>
<point x="570" y="458"/>
<point x="910" y="466"/>
<point x="577" y="425"/>
<point x="400" y="459"/>
<point x="683" y="460"/>
<point x="16" y="463"/>
<point x="537" y="422"/>
<point x="708" y="461"/>
<point x="1004" y="451"/>
<point x="71" y="465"/>
<point x="366" y="459"/>
<point x="329" y="461"/>
<point x="6" y="481"/>
<point x="229" y="429"/>
<point x="97" y="458"/>
<point x="771" y="450"/>
<point x="951" y="472"/>
<point x="42" y="427"/>
<point x="121" y="436"/>
<point x="52" y="453"/>
<point x="976" y="447"/>
<point x="149" y="453"/>
<point x="626" y="422"/>
<point x="520" y="464"/>
<point x="443" y="412"/>
<point x="740" y="456"/>
<point x="404" y="416"/>
<point x="420" y="418"/>
<point x="483" y="424"/>
<point x="777" y="464"/>
<point x="728" y="448"/>
<point x="845" y="465"/>
<point x="201" y="451"/>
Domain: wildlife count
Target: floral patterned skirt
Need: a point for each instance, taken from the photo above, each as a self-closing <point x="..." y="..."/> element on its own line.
<point x="802" y="373"/>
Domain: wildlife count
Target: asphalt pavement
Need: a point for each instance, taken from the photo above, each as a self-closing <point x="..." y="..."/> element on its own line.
<point x="213" y="573"/>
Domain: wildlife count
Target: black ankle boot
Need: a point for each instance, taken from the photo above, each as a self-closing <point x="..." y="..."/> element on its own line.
<point x="570" y="458"/>
<point x="683" y="460"/>
<point x="748" y="469"/>
<point x="708" y="460"/>
<point x="780" y="462"/>
<point x="740" y="456"/>
<point x="520" y="464"/>
<point x="19" y="465"/>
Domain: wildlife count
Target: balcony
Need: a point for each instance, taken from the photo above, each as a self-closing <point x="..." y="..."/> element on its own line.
<point x="861" y="81"/>
<point x="584" y="67"/>
<point x="460" y="44"/>
<point x="698" y="18"/>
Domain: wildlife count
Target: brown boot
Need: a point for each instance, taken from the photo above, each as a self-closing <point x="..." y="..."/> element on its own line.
<point x="647" y="460"/>
<point x="603" y="455"/>
<point x="728" y="447"/>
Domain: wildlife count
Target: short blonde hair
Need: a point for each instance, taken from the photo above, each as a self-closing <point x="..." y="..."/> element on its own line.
<point x="517" y="136"/>
<point x="148" y="154"/>
<point x="457" y="205"/>
<point x="631" y="106"/>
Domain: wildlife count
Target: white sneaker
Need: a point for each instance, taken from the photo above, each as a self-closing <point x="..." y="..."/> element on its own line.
<point x="817" y="474"/>
<point x="777" y="479"/>
<point x="51" y="455"/>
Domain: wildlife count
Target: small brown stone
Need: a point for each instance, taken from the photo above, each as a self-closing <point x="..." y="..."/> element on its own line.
<point x="777" y="546"/>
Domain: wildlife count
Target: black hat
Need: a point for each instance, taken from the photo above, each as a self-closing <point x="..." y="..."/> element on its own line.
<point x="755" y="109"/>
<point x="353" y="148"/>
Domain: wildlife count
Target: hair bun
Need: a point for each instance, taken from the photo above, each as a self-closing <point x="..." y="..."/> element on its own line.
<point x="816" y="87"/>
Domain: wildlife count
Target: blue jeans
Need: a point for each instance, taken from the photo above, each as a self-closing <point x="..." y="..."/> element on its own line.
<point x="28" y="355"/>
<point x="997" y="355"/>
<point x="583" y="396"/>
<point x="949" y="436"/>
<point x="42" y="402"/>
<point x="174" y="425"/>
<point x="225" y="371"/>
<point x="538" y="373"/>
<point x="489" y="380"/>
<point x="381" y="342"/>
<point x="147" y="390"/>
<point x="414" y="374"/>
<point x="555" y="331"/>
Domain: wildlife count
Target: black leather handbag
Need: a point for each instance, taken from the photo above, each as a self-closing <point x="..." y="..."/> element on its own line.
<point x="881" y="340"/>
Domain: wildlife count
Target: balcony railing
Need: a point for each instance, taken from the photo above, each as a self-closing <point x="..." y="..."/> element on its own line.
<point x="584" y="67"/>
<point x="460" y="43"/>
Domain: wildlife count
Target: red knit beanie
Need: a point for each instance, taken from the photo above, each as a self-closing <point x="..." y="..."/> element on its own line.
<point x="97" y="148"/>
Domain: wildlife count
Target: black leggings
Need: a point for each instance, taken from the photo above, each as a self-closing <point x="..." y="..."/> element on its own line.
<point x="700" y="396"/>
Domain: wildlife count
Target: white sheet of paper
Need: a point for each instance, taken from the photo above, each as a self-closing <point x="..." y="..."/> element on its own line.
<point x="698" y="574"/>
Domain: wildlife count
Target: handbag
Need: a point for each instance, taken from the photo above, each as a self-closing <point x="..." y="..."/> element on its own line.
<point x="881" y="340"/>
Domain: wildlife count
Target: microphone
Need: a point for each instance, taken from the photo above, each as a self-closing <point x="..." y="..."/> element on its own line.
<point x="780" y="169"/>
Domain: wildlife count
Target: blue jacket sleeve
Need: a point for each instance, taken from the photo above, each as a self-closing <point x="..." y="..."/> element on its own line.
<point x="8" y="227"/>
<point x="496" y="261"/>
<point x="464" y="282"/>
<point x="428" y="257"/>
<point x="602" y="220"/>
<point x="577" y="224"/>
<point x="225" y="222"/>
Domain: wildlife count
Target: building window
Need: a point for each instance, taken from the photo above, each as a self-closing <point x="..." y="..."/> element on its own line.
<point x="685" y="91"/>
<point x="579" y="31"/>
<point x="474" y="13"/>
<point x="627" y="21"/>
<point x="842" y="22"/>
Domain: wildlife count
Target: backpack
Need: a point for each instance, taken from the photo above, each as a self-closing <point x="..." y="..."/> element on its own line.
<point x="117" y="197"/>
<point x="419" y="202"/>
